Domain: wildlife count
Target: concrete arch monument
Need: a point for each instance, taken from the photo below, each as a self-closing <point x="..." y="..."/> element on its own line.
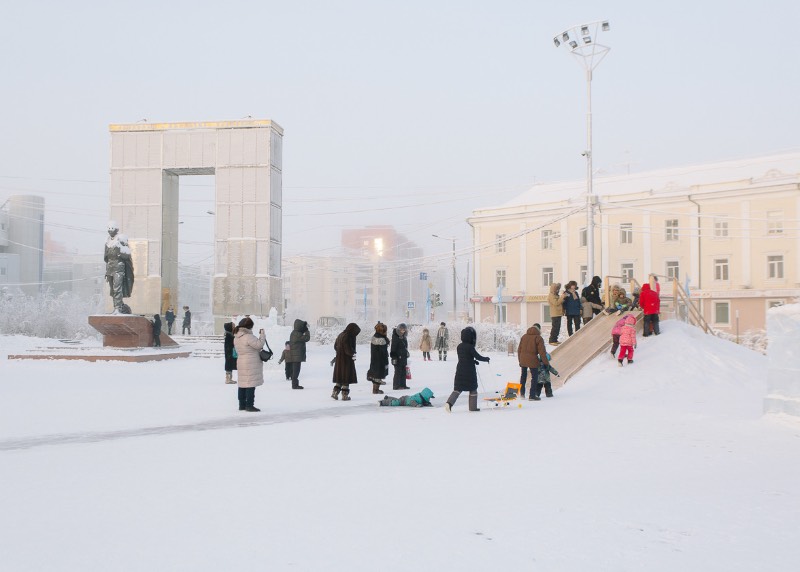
<point x="245" y="157"/>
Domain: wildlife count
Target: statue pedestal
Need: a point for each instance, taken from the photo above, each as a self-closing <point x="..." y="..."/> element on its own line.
<point x="127" y="331"/>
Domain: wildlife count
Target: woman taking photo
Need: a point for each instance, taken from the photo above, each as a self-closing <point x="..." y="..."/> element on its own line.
<point x="248" y="363"/>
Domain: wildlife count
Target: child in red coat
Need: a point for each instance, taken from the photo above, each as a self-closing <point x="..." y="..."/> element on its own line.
<point x="627" y="339"/>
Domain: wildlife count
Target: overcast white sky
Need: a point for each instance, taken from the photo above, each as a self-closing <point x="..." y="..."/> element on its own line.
<point x="389" y="108"/>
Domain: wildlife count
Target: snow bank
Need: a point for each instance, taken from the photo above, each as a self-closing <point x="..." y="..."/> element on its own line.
<point x="783" y="325"/>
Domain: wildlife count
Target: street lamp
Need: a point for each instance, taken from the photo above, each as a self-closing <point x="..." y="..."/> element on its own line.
<point x="582" y="42"/>
<point x="454" y="269"/>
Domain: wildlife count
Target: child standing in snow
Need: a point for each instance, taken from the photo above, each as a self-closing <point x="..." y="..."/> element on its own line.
<point x="425" y="345"/>
<point x="287" y="367"/>
<point x="543" y="380"/>
<point x="615" y="332"/>
<point x="627" y="339"/>
<point x="466" y="375"/>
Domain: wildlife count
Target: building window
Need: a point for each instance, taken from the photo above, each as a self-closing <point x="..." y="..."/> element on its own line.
<point x="775" y="266"/>
<point x="626" y="233"/>
<point x="2" y="271"/>
<point x="673" y="269"/>
<point x="774" y="223"/>
<point x="500" y="278"/>
<point x="582" y="237"/>
<point x="500" y="243"/>
<point x="547" y="240"/>
<point x="583" y="272"/>
<point x="671" y="229"/>
<point x="546" y="313"/>
<point x="501" y="313"/>
<point x="722" y="313"/>
<point x="720" y="228"/>
<point x="627" y="270"/>
<point x="547" y="276"/>
<point x="721" y="269"/>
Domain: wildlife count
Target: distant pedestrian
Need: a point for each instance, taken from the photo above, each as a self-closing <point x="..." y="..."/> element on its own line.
<point x="399" y="354"/>
<point x="170" y="318"/>
<point x="287" y="365"/>
<point x="378" y="358"/>
<point x="556" y="303"/>
<point x="344" y="367"/>
<point x="297" y="350"/>
<point x="187" y="321"/>
<point x="249" y="364"/>
<point x="425" y="345"/>
<point x="572" y="307"/>
<point x="466" y="378"/>
<point x="627" y="339"/>
<point x="442" y="341"/>
<point x="230" y="352"/>
<point x="156" y="331"/>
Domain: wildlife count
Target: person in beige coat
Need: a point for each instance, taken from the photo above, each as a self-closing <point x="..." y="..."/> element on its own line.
<point x="556" y="302"/>
<point x="248" y="364"/>
<point x="425" y="345"/>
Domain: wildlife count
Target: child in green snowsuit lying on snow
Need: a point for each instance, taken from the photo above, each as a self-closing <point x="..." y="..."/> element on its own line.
<point x="421" y="399"/>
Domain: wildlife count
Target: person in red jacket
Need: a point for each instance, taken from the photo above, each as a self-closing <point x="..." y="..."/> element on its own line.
<point x="650" y="302"/>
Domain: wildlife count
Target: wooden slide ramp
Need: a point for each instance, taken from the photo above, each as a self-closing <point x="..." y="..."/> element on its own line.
<point x="585" y="345"/>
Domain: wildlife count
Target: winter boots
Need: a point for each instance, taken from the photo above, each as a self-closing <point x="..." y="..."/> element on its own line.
<point x="229" y="377"/>
<point x="473" y="402"/>
<point x="336" y="390"/>
<point x="247" y="396"/>
<point x="619" y="361"/>
<point x="376" y="388"/>
<point x="536" y="391"/>
<point x="345" y="393"/>
<point x="548" y="390"/>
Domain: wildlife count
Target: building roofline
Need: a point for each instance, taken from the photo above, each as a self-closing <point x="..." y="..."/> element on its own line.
<point x="188" y="125"/>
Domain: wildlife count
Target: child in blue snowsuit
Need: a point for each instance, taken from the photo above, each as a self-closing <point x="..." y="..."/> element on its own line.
<point x="543" y="380"/>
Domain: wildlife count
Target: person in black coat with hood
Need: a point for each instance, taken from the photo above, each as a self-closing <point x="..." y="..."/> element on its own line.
<point x="230" y="361"/>
<point x="156" y="331"/>
<point x="399" y="354"/>
<point x="378" y="358"/>
<point x="344" y="364"/>
<point x="592" y="294"/>
<point x="466" y="378"/>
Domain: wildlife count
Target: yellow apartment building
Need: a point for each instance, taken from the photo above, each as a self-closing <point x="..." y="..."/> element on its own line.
<point x="730" y="231"/>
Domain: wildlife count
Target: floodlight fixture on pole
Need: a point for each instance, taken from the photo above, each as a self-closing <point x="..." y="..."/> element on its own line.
<point x="588" y="53"/>
<point x="454" y="269"/>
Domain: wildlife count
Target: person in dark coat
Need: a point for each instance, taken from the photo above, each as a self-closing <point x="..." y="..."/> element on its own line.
<point x="344" y="366"/>
<point x="592" y="294"/>
<point x="170" y="318"/>
<point x="156" y="331"/>
<point x="187" y="321"/>
<point x="466" y="378"/>
<point x="378" y="358"/>
<point x="572" y="307"/>
<point x="230" y="358"/>
<point x="297" y="350"/>
<point x="399" y="355"/>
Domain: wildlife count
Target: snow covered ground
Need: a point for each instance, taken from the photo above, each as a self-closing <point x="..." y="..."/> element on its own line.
<point x="667" y="464"/>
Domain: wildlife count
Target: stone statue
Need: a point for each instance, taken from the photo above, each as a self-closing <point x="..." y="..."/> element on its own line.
<point x="119" y="268"/>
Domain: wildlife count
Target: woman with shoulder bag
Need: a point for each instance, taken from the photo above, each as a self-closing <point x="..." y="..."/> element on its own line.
<point x="248" y="363"/>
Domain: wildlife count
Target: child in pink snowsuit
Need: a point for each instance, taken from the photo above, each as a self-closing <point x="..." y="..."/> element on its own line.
<point x="615" y="332"/>
<point x="627" y="339"/>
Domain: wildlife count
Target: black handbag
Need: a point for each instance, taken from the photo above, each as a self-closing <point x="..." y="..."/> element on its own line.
<point x="265" y="354"/>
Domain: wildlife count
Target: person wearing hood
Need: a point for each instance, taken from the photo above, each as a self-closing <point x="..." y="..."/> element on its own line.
<point x="156" y="331"/>
<point x="230" y="358"/>
<point x="425" y="345"/>
<point x="250" y="366"/>
<point x="531" y="354"/>
<point x="556" y="303"/>
<point x="622" y="303"/>
<point x="442" y="341"/>
<point x="650" y="302"/>
<point x="297" y="350"/>
<point x="170" y="319"/>
<point x="399" y="354"/>
<point x="592" y="295"/>
<point x="344" y="366"/>
<point x="378" y="358"/>
<point x="627" y="339"/>
<point x="466" y="378"/>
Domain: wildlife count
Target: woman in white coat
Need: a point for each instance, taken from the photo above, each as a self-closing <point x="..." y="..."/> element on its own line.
<point x="248" y="364"/>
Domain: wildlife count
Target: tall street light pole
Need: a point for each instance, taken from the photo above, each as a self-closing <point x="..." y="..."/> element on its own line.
<point x="582" y="43"/>
<point x="454" y="270"/>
